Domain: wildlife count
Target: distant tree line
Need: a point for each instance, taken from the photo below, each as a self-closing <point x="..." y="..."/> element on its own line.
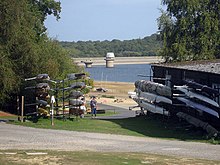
<point x="190" y="30"/>
<point x="25" y="49"/>
<point x="148" y="46"/>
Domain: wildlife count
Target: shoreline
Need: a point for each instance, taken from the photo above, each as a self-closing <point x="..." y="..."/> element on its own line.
<point x="117" y="94"/>
<point x="115" y="89"/>
<point x="120" y="60"/>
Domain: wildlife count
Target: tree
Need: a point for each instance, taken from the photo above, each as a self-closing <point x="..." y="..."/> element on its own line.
<point x="136" y="47"/>
<point x="194" y="30"/>
<point x="25" y="49"/>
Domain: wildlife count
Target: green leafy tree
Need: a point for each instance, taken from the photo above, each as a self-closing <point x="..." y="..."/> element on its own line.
<point x="25" y="49"/>
<point x="136" y="47"/>
<point x="190" y="29"/>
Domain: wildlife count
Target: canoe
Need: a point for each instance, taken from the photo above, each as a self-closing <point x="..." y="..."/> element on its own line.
<point x="203" y="88"/>
<point x="153" y="108"/>
<point x="198" y="107"/>
<point x="75" y="102"/>
<point x="39" y="77"/>
<point x="75" y="94"/>
<point x="191" y="94"/>
<point x="43" y="86"/>
<point x="75" y="76"/>
<point x="78" y="85"/>
<point x="198" y="123"/>
<point x="42" y="103"/>
<point x="75" y="85"/>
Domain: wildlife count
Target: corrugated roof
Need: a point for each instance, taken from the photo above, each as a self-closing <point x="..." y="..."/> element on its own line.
<point x="202" y="66"/>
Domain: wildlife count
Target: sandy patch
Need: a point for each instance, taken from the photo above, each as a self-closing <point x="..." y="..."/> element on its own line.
<point x="115" y="89"/>
<point x="117" y="93"/>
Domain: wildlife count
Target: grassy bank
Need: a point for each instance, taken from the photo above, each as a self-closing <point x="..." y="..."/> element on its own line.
<point x="93" y="158"/>
<point x="139" y="126"/>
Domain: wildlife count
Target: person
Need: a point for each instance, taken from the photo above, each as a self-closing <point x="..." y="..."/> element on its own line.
<point x="93" y="105"/>
<point x="83" y="107"/>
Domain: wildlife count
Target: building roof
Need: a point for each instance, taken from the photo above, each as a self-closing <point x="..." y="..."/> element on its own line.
<point x="110" y="55"/>
<point x="202" y="66"/>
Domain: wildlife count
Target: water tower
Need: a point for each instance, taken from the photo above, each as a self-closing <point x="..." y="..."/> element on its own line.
<point x="110" y="58"/>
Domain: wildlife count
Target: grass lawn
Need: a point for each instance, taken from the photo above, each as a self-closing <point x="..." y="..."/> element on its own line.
<point x="93" y="158"/>
<point x="140" y="126"/>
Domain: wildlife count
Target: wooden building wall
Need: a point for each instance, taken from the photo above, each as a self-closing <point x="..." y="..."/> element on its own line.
<point x="178" y="75"/>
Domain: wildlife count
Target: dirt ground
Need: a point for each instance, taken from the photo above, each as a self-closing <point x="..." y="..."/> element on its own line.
<point x="116" y="89"/>
<point x="117" y="93"/>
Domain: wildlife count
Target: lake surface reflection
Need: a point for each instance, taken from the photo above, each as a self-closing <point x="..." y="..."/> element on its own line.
<point x="120" y="73"/>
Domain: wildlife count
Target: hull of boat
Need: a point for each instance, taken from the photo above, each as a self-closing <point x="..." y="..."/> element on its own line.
<point x="153" y="108"/>
<point x="198" y="107"/>
<point x="191" y="94"/>
<point x="150" y="97"/>
<point x="152" y="87"/>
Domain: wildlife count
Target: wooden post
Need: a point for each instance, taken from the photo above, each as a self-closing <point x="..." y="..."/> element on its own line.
<point x="22" y="109"/>
<point x="18" y="108"/>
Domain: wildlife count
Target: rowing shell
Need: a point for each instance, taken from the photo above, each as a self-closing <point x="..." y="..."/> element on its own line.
<point x="191" y="94"/>
<point x="201" y="87"/>
<point x="153" y="108"/>
<point x="198" y="106"/>
<point x="151" y="97"/>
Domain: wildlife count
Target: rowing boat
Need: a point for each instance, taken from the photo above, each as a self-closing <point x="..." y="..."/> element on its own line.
<point x="198" y="107"/>
<point x="153" y="108"/>
<point x="151" y="97"/>
<point x="191" y="94"/>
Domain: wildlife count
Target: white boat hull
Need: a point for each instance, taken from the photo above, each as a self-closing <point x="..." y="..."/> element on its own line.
<point x="191" y="94"/>
<point x="150" y="97"/>
<point x="153" y="108"/>
<point x="198" y="107"/>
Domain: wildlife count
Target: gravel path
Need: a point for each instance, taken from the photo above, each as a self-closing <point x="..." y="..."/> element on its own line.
<point x="18" y="137"/>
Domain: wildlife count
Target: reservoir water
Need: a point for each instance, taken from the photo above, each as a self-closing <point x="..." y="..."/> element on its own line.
<point x="120" y="73"/>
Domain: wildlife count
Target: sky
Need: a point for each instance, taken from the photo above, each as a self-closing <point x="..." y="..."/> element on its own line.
<point x="83" y="20"/>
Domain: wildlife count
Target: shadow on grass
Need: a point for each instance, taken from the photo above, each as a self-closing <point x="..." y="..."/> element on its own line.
<point x="158" y="127"/>
<point x="154" y="126"/>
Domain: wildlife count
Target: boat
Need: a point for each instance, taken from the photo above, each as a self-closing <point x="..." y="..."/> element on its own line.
<point x="132" y="94"/>
<point x="198" y="123"/>
<point x="43" y="86"/>
<point x="76" y="102"/>
<point x="153" y="108"/>
<point x="75" y="76"/>
<point x="202" y="88"/>
<point x="78" y="85"/>
<point x="198" y="107"/>
<point x="191" y="94"/>
<point x="100" y="89"/>
<point x="40" y="77"/>
<point x="75" y="94"/>
<point x="152" y="87"/>
<point x="151" y="97"/>
<point x="42" y="103"/>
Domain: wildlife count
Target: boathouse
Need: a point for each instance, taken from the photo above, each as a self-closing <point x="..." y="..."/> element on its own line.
<point x="202" y="72"/>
